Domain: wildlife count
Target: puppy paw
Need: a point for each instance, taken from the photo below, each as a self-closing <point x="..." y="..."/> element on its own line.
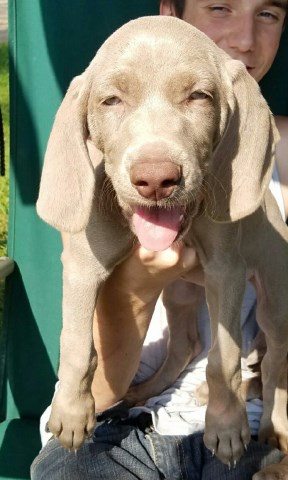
<point x="227" y="432"/>
<point x="72" y="420"/>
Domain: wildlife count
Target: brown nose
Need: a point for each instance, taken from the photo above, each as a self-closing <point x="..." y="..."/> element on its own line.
<point x="155" y="180"/>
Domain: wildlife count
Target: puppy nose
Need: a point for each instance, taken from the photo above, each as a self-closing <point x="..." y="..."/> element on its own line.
<point x="155" y="180"/>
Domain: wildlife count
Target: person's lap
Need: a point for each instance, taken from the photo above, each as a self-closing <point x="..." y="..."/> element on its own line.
<point x="125" y="452"/>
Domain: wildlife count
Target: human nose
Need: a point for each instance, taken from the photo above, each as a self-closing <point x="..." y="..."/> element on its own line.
<point x="243" y="35"/>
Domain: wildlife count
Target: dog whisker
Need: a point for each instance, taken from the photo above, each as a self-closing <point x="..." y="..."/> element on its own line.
<point x="107" y="197"/>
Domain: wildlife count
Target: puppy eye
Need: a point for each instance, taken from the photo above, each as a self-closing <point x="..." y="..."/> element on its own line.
<point x="198" y="95"/>
<point x="112" y="101"/>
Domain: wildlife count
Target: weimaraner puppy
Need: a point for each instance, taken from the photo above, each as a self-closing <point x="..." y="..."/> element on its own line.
<point x="175" y="136"/>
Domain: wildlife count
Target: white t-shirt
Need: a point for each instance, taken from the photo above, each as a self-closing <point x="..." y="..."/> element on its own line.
<point x="175" y="411"/>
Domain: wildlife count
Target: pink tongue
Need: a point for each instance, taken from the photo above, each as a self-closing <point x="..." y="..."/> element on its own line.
<point x="156" y="228"/>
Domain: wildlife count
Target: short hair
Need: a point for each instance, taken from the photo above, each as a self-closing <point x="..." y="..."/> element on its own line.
<point x="179" y="6"/>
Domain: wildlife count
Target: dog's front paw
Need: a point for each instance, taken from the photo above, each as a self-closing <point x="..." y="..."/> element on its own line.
<point x="227" y="432"/>
<point x="72" y="419"/>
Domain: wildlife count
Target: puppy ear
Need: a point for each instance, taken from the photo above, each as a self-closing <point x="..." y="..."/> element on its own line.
<point x="243" y="160"/>
<point x="67" y="182"/>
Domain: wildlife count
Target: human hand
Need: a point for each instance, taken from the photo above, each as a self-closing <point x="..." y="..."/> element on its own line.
<point x="145" y="273"/>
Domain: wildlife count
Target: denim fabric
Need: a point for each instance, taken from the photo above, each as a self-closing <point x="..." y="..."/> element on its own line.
<point x="116" y="452"/>
<point x="125" y="452"/>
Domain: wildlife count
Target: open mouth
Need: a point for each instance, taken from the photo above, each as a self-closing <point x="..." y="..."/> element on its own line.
<point x="157" y="228"/>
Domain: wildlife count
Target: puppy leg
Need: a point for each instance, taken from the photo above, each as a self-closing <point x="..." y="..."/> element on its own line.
<point x="272" y="318"/>
<point x="226" y="431"/>
<point x="274" y="423"/>
<point x="250" y="388"/>
<point x="73" y="411"/>
<point x="181" y="300"/>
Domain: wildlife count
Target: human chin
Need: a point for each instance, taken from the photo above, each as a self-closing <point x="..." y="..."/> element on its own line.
<point x="259" y="73"/>
<point x="255" y="73"/>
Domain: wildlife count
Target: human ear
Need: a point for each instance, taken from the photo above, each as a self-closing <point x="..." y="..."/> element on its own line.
<point x="167" y="8"/>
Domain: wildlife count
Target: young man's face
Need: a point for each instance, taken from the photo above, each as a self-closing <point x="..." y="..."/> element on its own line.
<point x="248" y="30"/>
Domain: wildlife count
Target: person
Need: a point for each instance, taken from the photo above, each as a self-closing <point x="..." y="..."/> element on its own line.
<point x="164" y="438"/>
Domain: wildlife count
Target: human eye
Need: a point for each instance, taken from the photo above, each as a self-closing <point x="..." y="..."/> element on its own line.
<point x="269" y="16"/>
<point x="219" y="9"/>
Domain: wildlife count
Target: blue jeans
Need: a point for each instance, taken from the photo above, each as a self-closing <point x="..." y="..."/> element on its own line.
<point x="124" y="451"/>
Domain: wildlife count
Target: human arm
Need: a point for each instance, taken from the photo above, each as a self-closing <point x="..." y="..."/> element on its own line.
<point x="124" y="309"/>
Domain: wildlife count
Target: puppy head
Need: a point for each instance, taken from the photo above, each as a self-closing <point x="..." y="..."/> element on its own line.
<point x="160" y="98"/>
